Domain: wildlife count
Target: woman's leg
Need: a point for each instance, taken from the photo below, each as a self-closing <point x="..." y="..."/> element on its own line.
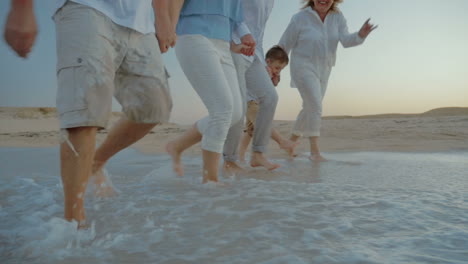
<point x="231" y="146"/>
<point x="308" y="121"/>
<point x="202" y="61"/>
<point x="259" y="85"/>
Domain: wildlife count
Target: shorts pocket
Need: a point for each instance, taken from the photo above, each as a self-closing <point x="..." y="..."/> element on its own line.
<point x="72" y="85"/>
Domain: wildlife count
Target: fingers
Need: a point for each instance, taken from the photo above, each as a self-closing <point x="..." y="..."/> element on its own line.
<point x="166" y="41"/>
<point x="367" y="21"/>
<point x="20" y="42"/>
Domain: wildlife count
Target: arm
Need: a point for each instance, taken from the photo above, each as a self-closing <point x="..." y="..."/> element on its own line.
<point x="290" y="36"/>
<point x="175" y="7"/>
<point x="21" y="27"/>
<point x="166" y="13"/>
<point x="354" y="39"/>
<point x="242" y="32"/>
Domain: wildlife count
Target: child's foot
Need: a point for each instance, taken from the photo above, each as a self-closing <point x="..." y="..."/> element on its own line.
<point x="231" y="168"/>
<point x="317" y="158"/>
<point x="175" y="154"/>
<point x="103" y="187"/>
<point x="289" y="146"/>
<point x="258" y="160"/>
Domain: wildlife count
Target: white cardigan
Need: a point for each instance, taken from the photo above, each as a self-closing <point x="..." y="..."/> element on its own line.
<point x="313" y="43"/>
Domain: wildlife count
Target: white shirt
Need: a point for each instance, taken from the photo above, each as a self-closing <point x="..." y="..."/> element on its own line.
<point x="313" y="43"/>
<point x="256" y="14"/>
<point x="134" y="14"/>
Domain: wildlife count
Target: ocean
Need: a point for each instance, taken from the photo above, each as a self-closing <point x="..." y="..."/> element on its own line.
<point x="359" y="207"/>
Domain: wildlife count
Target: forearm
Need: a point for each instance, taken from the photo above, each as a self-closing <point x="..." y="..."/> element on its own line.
<point x="161" y="13"/>
<point x="22" y="4"/>
<point x="174" y="11"/>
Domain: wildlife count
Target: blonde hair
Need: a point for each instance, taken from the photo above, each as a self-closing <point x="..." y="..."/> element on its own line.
<point x="333" y="8"/>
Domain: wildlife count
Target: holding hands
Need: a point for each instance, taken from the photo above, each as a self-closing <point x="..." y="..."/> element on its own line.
<point x="166" y="36"/>
<point x="366" y="29"/>
<point x="249" y="45"/>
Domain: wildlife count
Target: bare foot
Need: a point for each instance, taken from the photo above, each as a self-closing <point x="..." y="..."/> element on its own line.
<point x="103" y="187"/>
<point x="289" y="146"/>
<point x="231" y="167"/>
<point x="258" y="160"/>
<point x="317" y="158"/>
<point x="83" y="225"/>
<point x="175" y="154"/>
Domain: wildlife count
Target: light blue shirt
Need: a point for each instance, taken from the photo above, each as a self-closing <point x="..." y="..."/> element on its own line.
<point x="213" y="19"/>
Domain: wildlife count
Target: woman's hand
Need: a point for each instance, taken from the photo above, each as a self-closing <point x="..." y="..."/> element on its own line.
<point x="366" y="29"/>
<point x="250" y="44"/>
<point x="238" y="48"/>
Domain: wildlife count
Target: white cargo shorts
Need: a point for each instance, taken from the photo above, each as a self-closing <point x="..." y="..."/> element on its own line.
<point x="98" y="59"/>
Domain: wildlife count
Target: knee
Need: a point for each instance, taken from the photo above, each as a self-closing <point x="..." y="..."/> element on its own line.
<point x="271" y="98"/>
<point x="237" y="115"/>
<point x="223" y="114"/>
<point x="313" y="106"/>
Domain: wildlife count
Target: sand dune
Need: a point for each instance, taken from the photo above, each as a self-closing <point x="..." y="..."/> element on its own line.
<point x="435" y="130"/>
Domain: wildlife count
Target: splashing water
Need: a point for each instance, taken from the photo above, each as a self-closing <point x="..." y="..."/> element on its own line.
<point x="365" y="207"/>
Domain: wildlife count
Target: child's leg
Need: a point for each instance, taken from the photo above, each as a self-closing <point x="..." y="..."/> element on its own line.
<point x="231" y="146"/>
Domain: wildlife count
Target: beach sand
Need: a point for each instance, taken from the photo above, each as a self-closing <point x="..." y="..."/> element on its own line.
<point x="435" y="130"/>
<point x="393" y="191"/>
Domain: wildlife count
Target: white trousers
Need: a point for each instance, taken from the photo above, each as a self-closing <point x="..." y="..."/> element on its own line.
<point x="231" y="146"/>
<point x="208" y="65"/>
<point x="312" y="87"/>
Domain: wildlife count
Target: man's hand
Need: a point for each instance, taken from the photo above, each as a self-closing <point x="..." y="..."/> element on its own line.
<point x="21" y="28"/>
<point x="237" y="48"/>
<point x="248" y="41"/>
<point x="166" y="38"/>
<point x="165" y="27"/>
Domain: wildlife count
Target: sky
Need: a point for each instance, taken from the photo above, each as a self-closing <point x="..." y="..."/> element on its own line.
<point x="415" y="61"/>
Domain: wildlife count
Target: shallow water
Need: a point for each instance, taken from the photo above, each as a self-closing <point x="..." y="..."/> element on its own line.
<point x="362" y="207"/>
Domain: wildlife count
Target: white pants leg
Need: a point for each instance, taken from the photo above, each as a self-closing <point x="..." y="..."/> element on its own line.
<point x="312" y="89"/>
<point x="231" y="146"/>
<point x="259" y="84"/>
<point x="208" y="65"/>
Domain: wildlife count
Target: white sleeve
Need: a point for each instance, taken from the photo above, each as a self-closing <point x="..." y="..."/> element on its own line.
<point x="290" y="36"/>
<point x="240" y="30"/>
<point x="347" y="39"/>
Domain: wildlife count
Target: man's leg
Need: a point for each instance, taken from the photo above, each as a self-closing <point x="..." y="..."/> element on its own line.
<point x="260" y="85"/>
<point x="245" y="140"/>
<point x="231" y="146"/>
<point x="76" y="156"/>
<point x="123" y="134"/>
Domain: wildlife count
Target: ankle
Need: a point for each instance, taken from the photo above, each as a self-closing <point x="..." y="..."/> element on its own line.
<point x="97" y="165"/>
